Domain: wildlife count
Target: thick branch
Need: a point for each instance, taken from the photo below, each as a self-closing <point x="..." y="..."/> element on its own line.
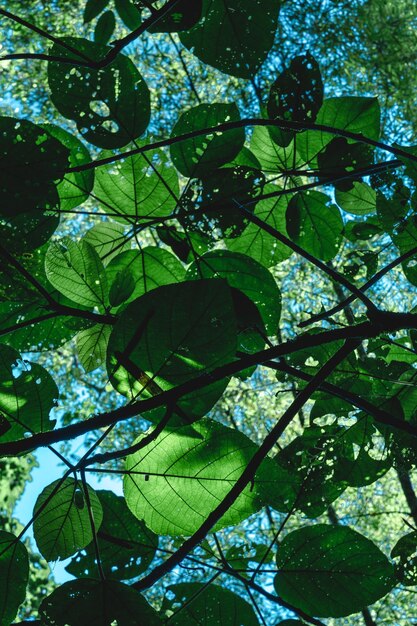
<point x="250" y="121"/>
<point x="388" y="322"/>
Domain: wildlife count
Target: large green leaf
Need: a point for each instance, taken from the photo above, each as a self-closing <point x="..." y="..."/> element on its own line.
<point x="212" y="207"/>
<point x="28" y="393"/>
<point x="129" y="13"/>
<point x="143" y="185"/>
<point x="108" y="240"/>
<point x="203" y="154"/>
<point x="271" y="156"/>
<point x="245" y="274"/>
<point x="354" y="114"/>
<point x="111" y="106"/>
<point x="235" y="37"/>
<point x="171" y="335"/>
<point x="75" y="270"/>
<point x="31" y="161"/>
<point x="296" y="95"/>
<point x="175" y="482"/>
<point x="105" y="27"/>
<point x="94" y="8"/>
<point x="331" y="571"/>
<point x="257" y="243"/>
<point x="75" y="187"/>
<point x="182" y="16"/>
<point x="150" y="268"/>
<point x="90" y="602"/>
<point x="126" y="546"/>
<point x="92" y="346"/>
<point x="14" y="574"/>
<point x="204" y="605"/>
<point x="62" y="521"/>
<point x="315" y="224"/>
<point x="359" y="200"/>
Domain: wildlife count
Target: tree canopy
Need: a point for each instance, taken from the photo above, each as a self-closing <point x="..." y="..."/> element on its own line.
<point x="208" y="295"/>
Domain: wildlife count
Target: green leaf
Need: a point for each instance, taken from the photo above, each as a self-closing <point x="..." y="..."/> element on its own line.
<point x="108" y="239"/>
<point x="122" y="287"/>
<point x="14" y="574"/>
<point x="111" y="106"/>
<point x="219" y="199"/>
<point x="296" y="95"/>
<point x="331" y="571"/>
<point x="351" y="113"/>
<point x="75" y="270"/>
<point x="30" y="163"/>
<point x="142" y="185"/>
<point x="244" y="274"/>
<point x="174" y="482"/>
<point x="203" y="154"/>
<point x="75" y="187"/>
<point x="184" y="15"/>
<point x="92" y="346"/>
<point x="86" y="602"/>
<point x="204" y="605"/>
<point x="315" y="224"/>
<point x="128" y="13"/>
<point x="94" y="8"/>
<point x="105" y="27"/>
<point x="271" y="156"/>
<point x="171" y="335"/>
<point x="126" y="546"/>
<point x="28" y="393"/>
<point x="234" y="38"/>
<point x="150" y="267"/>
<point x="258" y="244"/>
<point x="61" y="525"/>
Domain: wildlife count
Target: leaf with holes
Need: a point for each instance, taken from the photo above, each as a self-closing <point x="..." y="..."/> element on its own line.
<point x="87" y="602"/>
<point x="234" y="37"/>
<point x="74" y="188"/>
<point x="111" y="105"/>
<point x="28" y="394"/>
<point x="14" y="574"/>
<point x="296" y="95"/>
<point x="183" y="16"/>
<point x="31" y="162"/>
<point x="62" y="522"/>
<point x="331" y="571"/>
<point x="206" y="152"/>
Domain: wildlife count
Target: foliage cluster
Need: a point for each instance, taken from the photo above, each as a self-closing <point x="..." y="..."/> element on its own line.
<point x="153" y="260"/>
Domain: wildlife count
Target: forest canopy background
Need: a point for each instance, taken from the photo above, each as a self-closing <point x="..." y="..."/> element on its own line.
<point x="208" y="291"/>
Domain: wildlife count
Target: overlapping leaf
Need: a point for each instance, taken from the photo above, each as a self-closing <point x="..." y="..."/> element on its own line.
<point x="177" y="480"/>
<point x="126" y="546"/>
<point x="331" y="571"/>
<point x="62" y="523"/>
<point x="111" y="106"/>
<point x="90" y="602"/>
